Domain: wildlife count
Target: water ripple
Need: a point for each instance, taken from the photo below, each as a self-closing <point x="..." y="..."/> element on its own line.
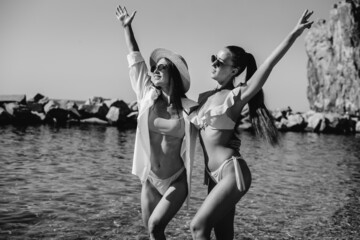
<point x="76" y="183"/>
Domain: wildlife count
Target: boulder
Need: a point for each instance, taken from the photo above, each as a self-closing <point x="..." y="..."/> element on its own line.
<point x="71" y="107"/>
<point x="51" y="104"/>
<point x="357" y="127"/>
<point x="5" y="117"/>
<point x="17" y="98"/>
<point x="57" y="115"/>
<point x="38" y="97"/>
<point x="295" y="122"/>
<point x="124" y="110"/>
<point x="97" y="110"/>
<point x="10" y="107"/>
<point x="113" y="115"/>
<point x="316" y="122"/>
<point x="35" y="107"/>
<point x="23" y="116"/>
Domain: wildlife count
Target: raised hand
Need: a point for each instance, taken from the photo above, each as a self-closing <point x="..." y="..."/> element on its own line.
<point x="303" y="22"/>
<point x="123" y="16"/>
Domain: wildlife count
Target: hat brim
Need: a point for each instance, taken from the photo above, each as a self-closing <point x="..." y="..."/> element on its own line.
<point x="177" y="60"/>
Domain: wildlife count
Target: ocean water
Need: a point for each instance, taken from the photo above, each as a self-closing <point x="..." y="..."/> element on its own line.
<point x="75" y="182"/>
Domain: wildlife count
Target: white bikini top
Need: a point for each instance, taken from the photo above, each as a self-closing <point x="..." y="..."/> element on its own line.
<point x="173" y="127"/>
<point x="213" y="112"/>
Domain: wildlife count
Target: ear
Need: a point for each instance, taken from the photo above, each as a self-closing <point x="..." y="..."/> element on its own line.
<point x="235" y="71"/>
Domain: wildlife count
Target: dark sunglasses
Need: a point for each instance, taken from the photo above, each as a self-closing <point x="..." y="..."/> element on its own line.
<point x="159" y="67"/>
<point x="217" y="62"/>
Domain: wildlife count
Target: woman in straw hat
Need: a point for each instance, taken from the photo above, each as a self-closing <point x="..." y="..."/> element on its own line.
<point x="165" y="140"/>
<point x="217" y="117"/>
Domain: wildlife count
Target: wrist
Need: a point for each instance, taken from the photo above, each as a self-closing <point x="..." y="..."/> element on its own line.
<point x="295" y="33"/>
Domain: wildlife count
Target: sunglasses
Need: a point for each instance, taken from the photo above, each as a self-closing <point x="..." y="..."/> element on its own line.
<point x="160" y="67"/>
<point x="217" y="62"/>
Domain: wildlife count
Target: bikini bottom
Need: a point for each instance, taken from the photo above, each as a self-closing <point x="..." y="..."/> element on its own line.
<point x="217" y="175"/>
<point x="163" y="184"/>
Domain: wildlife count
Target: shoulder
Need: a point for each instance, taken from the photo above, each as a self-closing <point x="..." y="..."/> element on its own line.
<point x="188" y="104"/>
<point x="204" y="95"/>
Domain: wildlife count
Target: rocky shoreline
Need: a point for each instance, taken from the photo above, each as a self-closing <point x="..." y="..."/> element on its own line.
<point x="15" y="109"/>
<point x="288" y="121"/>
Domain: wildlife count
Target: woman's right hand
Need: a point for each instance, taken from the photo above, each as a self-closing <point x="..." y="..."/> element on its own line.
<point x="123" y="16"/>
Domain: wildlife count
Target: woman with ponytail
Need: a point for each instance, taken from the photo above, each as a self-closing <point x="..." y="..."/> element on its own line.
<point x="217" y="117"/>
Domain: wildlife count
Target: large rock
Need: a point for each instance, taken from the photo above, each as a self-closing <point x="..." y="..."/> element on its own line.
<point x="19" y="98"/>
<point x="316" y="122"/>
<point x="357" y="127"/>
<point x="295" y="122"/>
<point x="333" y="49"/>
<point x="5" y="117"/>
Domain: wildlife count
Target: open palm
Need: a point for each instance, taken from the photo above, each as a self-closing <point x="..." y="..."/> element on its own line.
<point x="123" y="16"/>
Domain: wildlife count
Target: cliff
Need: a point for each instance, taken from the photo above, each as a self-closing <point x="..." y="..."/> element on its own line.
<point x="333" y="69"/>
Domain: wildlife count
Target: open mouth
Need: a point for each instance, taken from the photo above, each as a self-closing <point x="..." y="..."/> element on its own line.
<point x="156" y="77"/>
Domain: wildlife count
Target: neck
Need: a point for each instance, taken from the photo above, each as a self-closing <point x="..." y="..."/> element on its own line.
<point x="166" y="97"/>
<point x="228" y="84"/>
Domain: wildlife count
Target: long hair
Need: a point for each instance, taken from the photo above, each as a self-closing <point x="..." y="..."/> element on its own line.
<point x="177" y="90"/>
<point x="261" y="119"/>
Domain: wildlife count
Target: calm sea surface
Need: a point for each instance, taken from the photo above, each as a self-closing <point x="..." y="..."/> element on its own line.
<point x="75" y="183"/>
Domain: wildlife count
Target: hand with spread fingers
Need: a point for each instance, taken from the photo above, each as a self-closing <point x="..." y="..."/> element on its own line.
<point x="303" y="22"/>
<point x="123" y="16"/>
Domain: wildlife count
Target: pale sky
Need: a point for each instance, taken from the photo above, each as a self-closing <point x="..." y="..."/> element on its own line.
<point x="75" y="49"/>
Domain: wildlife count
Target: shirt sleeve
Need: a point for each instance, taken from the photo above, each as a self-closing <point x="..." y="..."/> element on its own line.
<point x="138" y="72"/>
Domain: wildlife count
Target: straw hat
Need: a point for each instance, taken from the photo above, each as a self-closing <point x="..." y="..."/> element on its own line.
<point x="176" y="59"/>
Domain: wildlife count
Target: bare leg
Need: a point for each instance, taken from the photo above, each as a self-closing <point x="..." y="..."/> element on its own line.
<point x="150" y="197"/>
<point x="167" y="207"/>
<point x="220" y="205"/>
<point x="224" y="229"/>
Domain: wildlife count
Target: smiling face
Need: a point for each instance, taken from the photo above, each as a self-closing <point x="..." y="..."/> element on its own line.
<point x="222" y="69"/>
<point x="161" y="78"/>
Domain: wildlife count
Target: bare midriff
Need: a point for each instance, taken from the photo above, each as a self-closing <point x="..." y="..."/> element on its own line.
<point x="215" y="146"/>
<point x="165" y="154"/>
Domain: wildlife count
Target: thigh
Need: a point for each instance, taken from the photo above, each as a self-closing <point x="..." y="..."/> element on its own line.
<point x="224" y="229"/>
<point x="172" y="201"/>
<point x="220" y="203"/>
<point x="150" y="197"/>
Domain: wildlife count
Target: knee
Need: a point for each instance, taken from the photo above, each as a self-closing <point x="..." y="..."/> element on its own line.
<point x="155" y="227"/>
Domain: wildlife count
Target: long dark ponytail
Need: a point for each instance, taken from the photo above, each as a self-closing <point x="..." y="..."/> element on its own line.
<point x="261" y="119"/>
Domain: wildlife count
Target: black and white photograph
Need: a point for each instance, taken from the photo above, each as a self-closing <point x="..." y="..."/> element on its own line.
<point x="179" y="120"/>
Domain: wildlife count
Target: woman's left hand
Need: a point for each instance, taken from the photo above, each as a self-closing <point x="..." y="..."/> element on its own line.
<point x="235" y="142"/>
<point x="303" y="23"/>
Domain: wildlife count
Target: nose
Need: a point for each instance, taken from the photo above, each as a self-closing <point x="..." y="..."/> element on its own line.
<point x="215" y="63"/>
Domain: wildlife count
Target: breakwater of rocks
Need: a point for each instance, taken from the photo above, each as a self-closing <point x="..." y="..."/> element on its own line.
<point x="288" y="121"/>
<point x="15" y="109"/>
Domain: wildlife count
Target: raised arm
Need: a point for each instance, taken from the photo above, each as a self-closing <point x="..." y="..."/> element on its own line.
<point x="125" y="19"/>
<point x="259" y="78"/>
